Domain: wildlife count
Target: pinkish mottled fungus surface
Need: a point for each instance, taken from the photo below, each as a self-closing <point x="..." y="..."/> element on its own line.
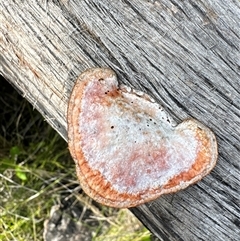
<point x="126" y="148"/>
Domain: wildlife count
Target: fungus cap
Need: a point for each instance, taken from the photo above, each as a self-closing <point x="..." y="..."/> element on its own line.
<point x="126" y="147"/>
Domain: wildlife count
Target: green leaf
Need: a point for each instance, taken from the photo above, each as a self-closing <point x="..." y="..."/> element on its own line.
<point x="14" y="152"/>
<point x="20" y="173"/>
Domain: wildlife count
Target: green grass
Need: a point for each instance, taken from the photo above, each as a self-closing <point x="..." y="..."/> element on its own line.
<point x="37" y="172"/>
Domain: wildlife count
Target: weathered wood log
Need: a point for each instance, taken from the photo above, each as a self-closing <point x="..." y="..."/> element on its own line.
<point x="183" y="53"/>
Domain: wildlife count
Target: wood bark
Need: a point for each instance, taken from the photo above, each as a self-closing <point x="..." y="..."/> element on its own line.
<point x="183" y="53"/>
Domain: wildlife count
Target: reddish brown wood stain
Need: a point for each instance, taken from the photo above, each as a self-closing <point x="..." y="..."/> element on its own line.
<point x="126" y="149"/>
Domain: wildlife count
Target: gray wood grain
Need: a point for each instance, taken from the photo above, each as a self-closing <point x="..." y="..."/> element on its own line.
<point x="183" y="53"/>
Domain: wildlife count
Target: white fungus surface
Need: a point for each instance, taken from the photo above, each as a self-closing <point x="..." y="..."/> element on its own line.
<point x="130" y="139"/>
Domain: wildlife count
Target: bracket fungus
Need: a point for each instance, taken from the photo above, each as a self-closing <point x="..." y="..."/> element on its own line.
<point x="126" y="148"/>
